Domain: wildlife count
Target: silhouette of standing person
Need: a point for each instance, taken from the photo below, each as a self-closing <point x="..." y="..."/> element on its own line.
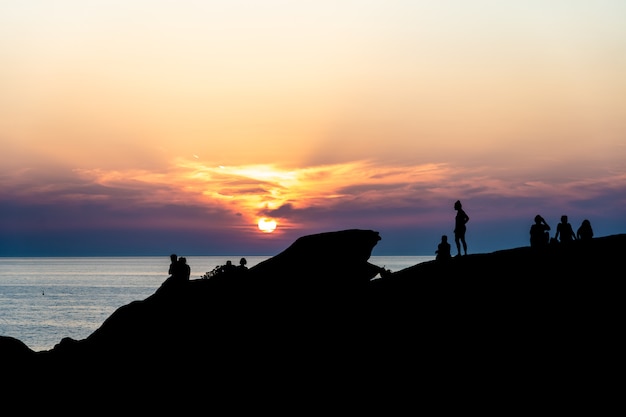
<point x="459" y="228"/>
<point x="443" y="249"/>
<point x="539" y="236"/>
<point x="564" y="231"/>
<point x="584" y="232"/>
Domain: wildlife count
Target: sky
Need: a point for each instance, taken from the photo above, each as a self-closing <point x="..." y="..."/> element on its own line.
<point x="149" y="127"/>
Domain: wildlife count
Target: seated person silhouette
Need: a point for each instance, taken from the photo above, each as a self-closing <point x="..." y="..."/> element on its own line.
<point x="179" y="270"/>
<point x="183" y="269"/>
<point x="584" y="232"/>
<point x="228" y="268"/>
<point x="539" y="236"/>
<point x="564" y="232"/>
<point x="173" y="264"/>
<point x="242" y="264"/>
<point x="443" y="249"/>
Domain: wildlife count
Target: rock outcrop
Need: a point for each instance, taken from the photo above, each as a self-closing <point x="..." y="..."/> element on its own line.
<point x="318" y="314"/>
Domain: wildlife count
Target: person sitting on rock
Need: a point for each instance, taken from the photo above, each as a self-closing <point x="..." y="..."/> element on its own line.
<point x="228" y="268"/>
<point x="242" y="265"/>
<point x="539" y="236"/>
<point x="585" y="232"/>
<point x="443" y="249"/>
<point x="184" y="269"/>
<point x="173" y="264"/>
<point x="564" y="232"/>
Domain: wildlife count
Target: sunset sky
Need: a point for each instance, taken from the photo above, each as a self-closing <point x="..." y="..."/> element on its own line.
<point x="148" y="127"/>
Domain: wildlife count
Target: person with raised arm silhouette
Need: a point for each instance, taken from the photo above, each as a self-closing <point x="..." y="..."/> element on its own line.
<point x="459" y="228"/>
<point x="539" y="236"/>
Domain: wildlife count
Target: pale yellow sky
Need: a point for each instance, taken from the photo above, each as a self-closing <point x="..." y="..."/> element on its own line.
<point x="277" y="81"/>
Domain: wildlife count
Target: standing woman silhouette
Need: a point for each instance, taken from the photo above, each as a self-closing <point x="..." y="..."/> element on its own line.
<point x="459" y="228"/>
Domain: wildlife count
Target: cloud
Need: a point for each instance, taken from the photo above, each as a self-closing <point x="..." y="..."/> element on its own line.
<point x="199" y="199"/>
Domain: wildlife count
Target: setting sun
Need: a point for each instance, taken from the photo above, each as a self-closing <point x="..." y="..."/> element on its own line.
<point x="267" y="225"/>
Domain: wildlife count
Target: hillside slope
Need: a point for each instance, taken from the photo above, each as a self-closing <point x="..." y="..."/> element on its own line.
<point x="554" y="317"/>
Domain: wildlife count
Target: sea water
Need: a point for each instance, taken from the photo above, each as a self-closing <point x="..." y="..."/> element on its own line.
<point x="43" y="300"/>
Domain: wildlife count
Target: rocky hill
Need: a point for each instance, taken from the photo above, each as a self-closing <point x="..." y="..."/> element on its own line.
<point x="523" y="318"/>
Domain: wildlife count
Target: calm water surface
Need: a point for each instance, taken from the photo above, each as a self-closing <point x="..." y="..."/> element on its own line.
<point x="43" y="300"/>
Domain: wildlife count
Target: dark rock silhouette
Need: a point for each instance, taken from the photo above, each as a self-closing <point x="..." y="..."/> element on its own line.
<point x="313" y="315"/>
<point x="332" y="258"/>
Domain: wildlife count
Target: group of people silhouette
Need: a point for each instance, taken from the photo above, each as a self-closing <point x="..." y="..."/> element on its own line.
<point x="179" y="269"/>
<point x="539" y="238"/>
<point x="228" y="269"/>
<point x="539" y="233"/>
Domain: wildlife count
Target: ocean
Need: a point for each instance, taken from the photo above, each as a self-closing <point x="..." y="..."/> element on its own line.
<point x="43" y="300"/>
